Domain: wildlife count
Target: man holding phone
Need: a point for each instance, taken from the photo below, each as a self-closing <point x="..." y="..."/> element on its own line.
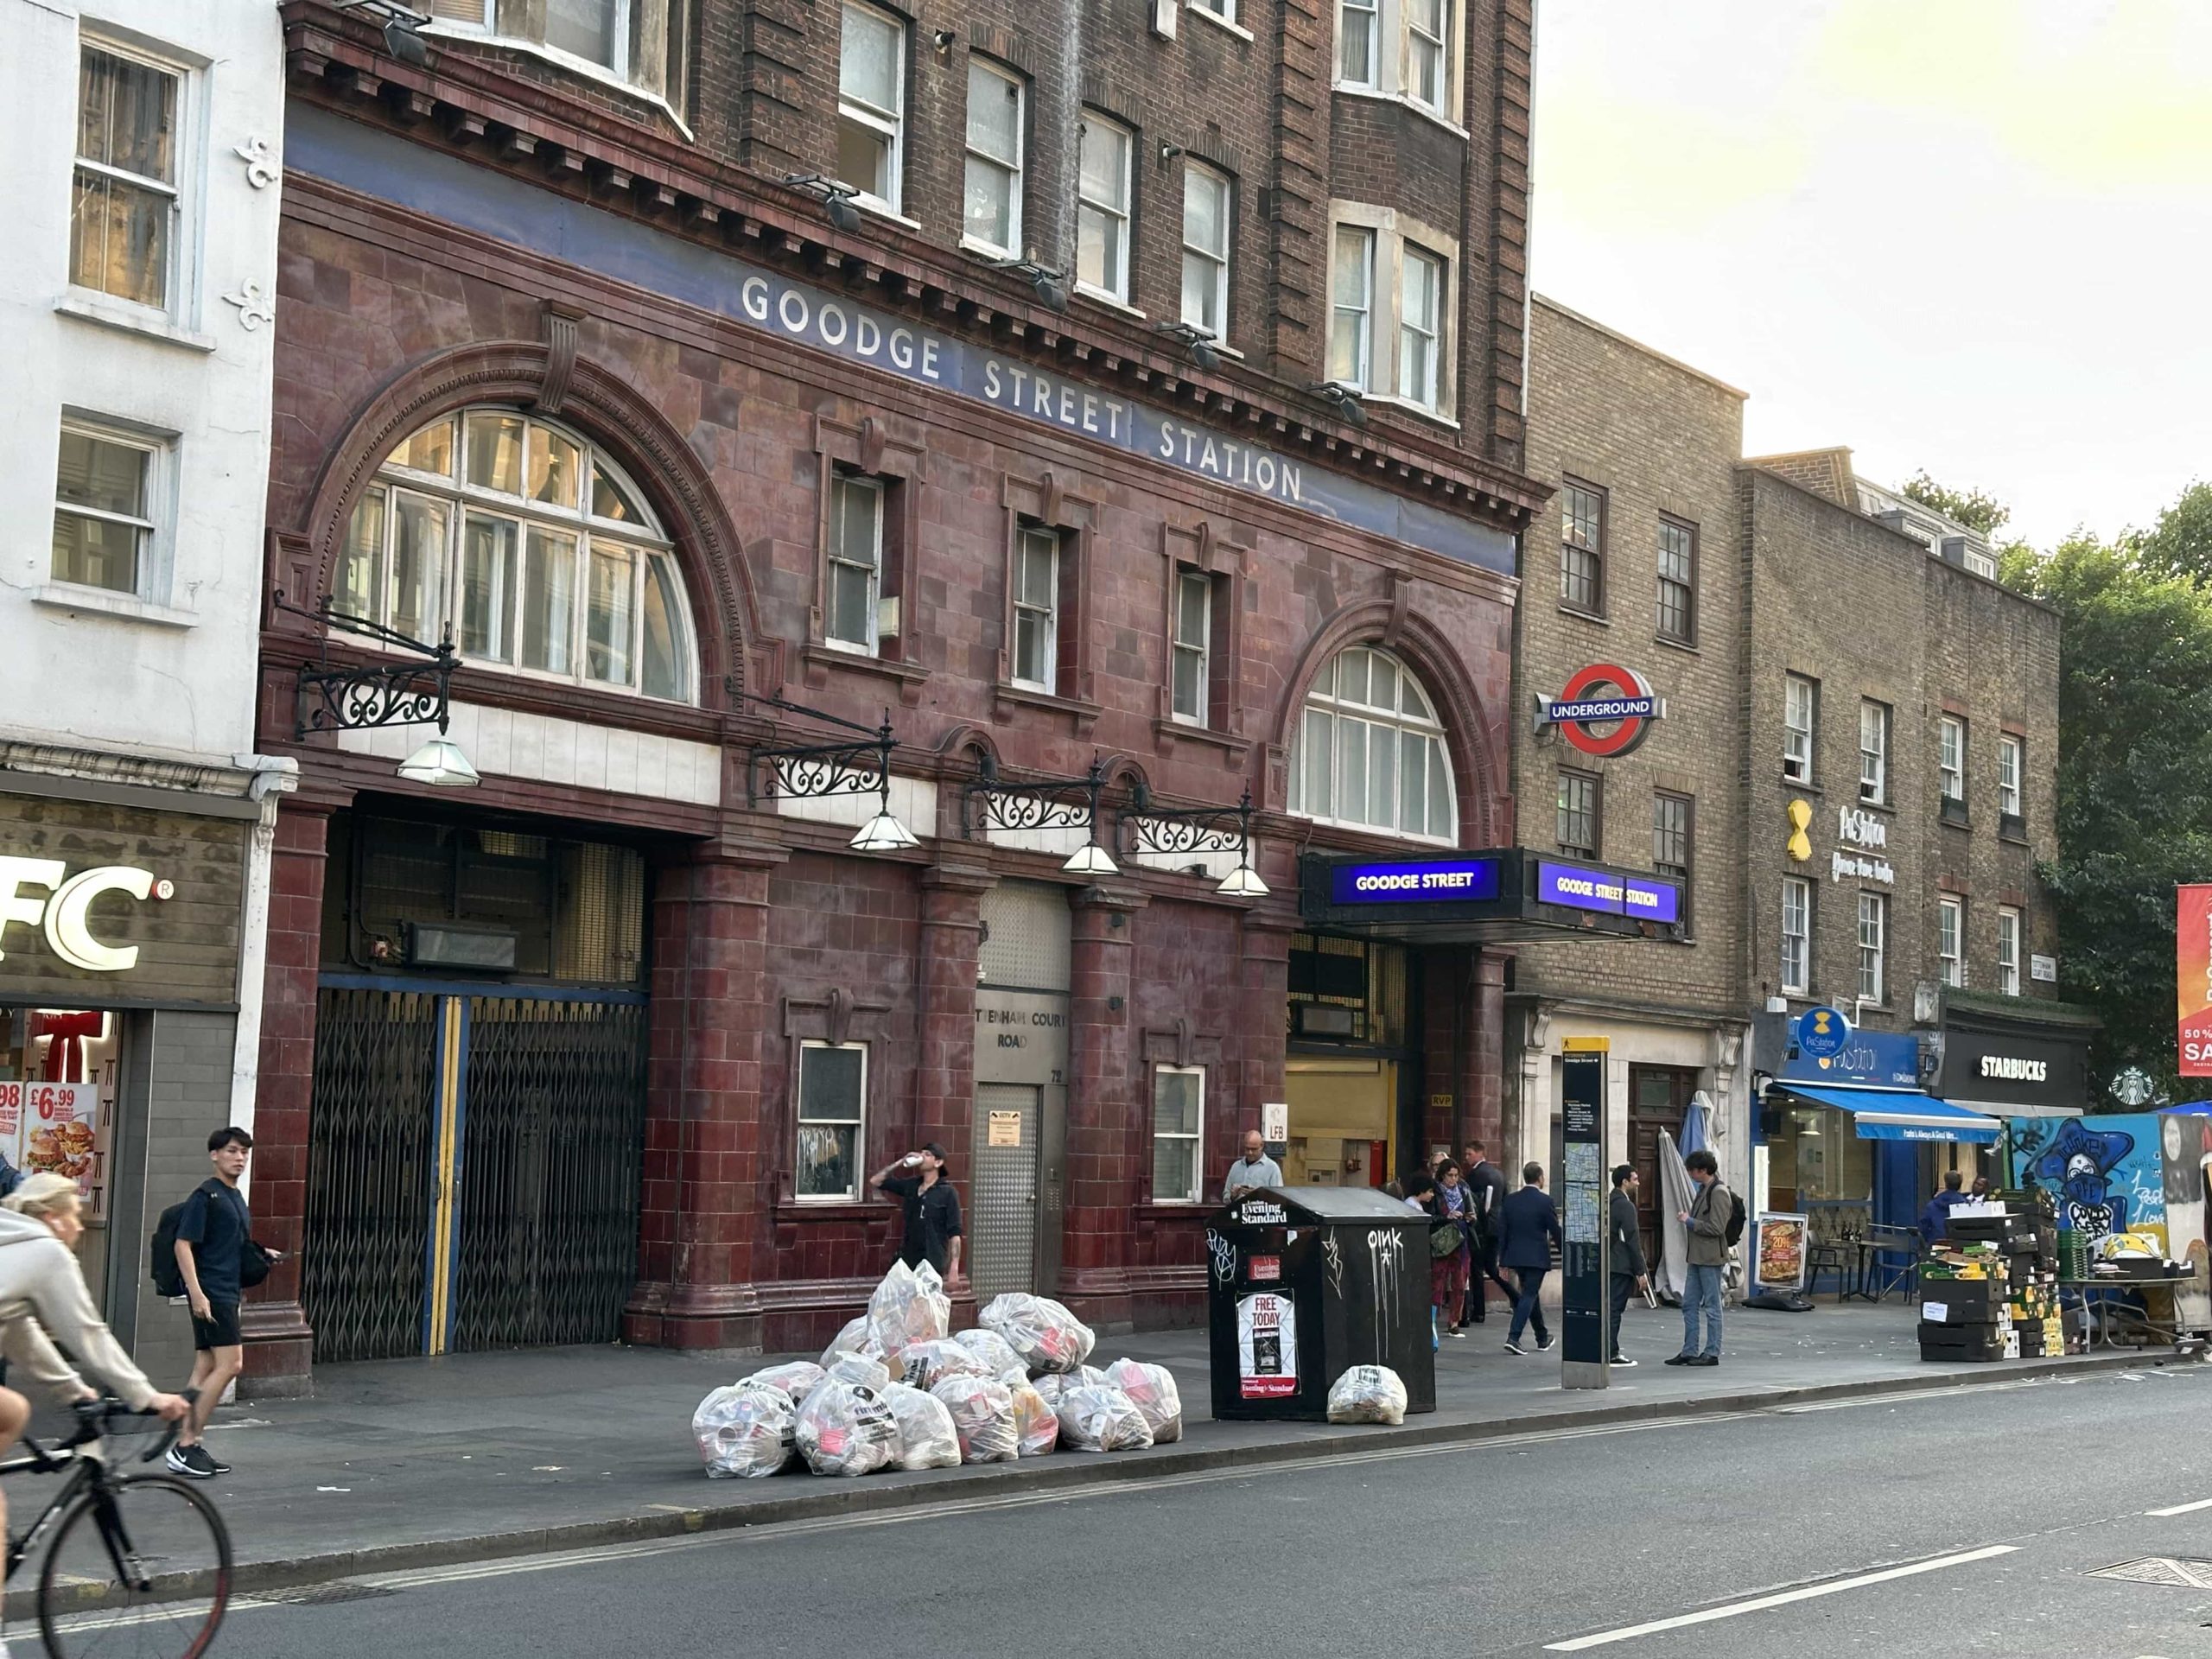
<point x="920" y="1182"/>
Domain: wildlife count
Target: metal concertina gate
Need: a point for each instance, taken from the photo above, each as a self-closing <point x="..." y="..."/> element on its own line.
<point x="475" y="1167"/>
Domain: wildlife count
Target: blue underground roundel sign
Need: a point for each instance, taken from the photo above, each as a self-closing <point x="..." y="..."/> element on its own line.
<point x="1604" y="694"/>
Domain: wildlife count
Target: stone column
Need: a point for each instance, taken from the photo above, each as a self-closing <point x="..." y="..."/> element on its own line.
<point x="1262" y="1030"/>
<point x="1107" y="1102"/>
<point x="279" y="1349"/>
<point x="705" y="1233"/>
<point x="1483" y="1091"/>
<point x="950" y="949"/>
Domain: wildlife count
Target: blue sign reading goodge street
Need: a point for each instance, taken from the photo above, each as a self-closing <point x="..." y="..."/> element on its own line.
<point x="1430" y="881"/>
<point x="1580" y="887"/>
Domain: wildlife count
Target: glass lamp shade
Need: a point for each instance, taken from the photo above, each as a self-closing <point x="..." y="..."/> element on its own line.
<point x="883" y="834"/>
<point x="440" y="764"/>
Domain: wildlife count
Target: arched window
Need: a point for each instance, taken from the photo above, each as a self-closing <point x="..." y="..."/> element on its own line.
<point x="1369" y="751"/>
<point x="532" y="546"/>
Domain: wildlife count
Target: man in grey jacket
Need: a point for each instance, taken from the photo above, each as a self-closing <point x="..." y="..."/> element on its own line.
<point x="1629" y="1273"/>
<point x="1708" y="1221"/>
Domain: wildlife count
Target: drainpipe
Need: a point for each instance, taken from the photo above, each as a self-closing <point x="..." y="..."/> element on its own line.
<point x="270" y="777"/>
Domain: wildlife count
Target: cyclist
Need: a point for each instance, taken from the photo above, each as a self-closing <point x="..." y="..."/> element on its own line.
<point x="43" y="1290"/>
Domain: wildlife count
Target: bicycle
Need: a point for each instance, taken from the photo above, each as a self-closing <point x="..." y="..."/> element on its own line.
<point x="139" y="1565"/>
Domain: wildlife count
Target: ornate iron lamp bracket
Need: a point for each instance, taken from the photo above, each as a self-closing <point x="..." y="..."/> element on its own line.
<point x="343" y="698"/>
<point x="1045" y="803"/>
<point x="1147" y="830"/>
<point x="859" y="765"/>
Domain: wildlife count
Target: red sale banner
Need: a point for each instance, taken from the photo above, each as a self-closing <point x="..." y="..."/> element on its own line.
<point x="2193" y="977"/>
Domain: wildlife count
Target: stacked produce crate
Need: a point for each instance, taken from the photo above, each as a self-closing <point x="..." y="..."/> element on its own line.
<point x="1989" y="1289"/>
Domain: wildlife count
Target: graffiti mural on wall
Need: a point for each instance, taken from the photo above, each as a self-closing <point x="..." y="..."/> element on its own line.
<point x="2104" y="1174"/>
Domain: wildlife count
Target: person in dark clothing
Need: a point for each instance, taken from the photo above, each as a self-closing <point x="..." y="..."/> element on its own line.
<point x="1630" y="1273"/>
<point x="1486" y="1202"/>
<point x="932" y="1210"/>
<point x="211" y="1239"/>
<point x="1529" y="1229"/>
<point x="1936" y="1219"/>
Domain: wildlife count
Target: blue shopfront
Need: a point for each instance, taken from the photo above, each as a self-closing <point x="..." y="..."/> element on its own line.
<point x="1849" y="1136"/>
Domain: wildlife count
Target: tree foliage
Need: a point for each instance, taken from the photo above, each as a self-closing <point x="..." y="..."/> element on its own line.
<point x="1972" y="508"/>
<point x="2134" y="767"/>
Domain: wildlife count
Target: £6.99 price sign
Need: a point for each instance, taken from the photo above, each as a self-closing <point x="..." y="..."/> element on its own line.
<point x="53" y="1126"/>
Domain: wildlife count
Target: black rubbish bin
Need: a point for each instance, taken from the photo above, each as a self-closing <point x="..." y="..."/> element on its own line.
<point x="1303" y="1282"/>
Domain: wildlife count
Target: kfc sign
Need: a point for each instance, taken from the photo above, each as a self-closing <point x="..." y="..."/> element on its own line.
<point x="66" y="912"/>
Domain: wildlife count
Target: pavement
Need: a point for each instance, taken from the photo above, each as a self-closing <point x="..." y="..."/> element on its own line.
<point x="1957" y="1522"/>
<point x="417" y="1463"/>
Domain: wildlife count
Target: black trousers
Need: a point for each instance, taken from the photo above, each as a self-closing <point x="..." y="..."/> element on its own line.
<point x="1624" y="1288"/>
<point x="1484" y="1268"/>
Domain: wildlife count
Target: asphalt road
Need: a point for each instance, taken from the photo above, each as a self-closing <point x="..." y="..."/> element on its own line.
<point x="2016" y="1493"/>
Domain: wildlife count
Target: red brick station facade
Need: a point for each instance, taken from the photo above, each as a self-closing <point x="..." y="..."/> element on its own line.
<point x="616" y="411"/>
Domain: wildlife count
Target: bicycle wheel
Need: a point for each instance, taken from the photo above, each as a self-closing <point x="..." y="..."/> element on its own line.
<point x="140" y="1571"/>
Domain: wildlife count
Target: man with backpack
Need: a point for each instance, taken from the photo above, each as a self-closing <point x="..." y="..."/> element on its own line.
<point x="211" y="1259"/>
<point x="1486" y="1192"/>
<point x="1715" y="1222"/>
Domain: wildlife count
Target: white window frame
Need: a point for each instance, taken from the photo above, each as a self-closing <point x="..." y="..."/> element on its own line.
<point x="1016" y="171"/>
<point x="642" y="540"/>
<point x="1951" y="758"/>
<point x="183" y="239"/>
<point x="620" y="68"/>
<point x="1800" y="743"/>
<point x="149" y="578"/>
<point x="1359" y="317"/>
<point x="1442" y="44"/>
<point x="1378" y="317"/>
<point x="2011" y="770"/>
<point x="1951" y="940"/>
<point x="891" y="124"/>
<point x="1196" y="1192"/>
<point x="840" y="482"/>
<point x="1874" y="761"/>
<point x="1200" y="650"/>
<point x="1335" y="712"/>
<point x="1873" y="948"/>
<point x="1796" y="945"/>
<point x="1369" y="79"/>
<point x="1428" y="390"/>
<point x="858" y="1123"/>
<point x="2011" y="927"/>
<point x="1220" y="259"/>
<point x="1222" y="11"/>
<point x="480" y="21"/>
<point x="1124" y="213"/>
<point x="1029" y="538"/>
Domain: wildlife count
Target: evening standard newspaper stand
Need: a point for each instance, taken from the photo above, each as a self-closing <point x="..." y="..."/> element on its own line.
<point x="1306" y="1281"/>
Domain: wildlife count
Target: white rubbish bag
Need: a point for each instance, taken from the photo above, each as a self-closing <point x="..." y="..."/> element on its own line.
<point x="998" y="1358"/>
<point x="909" y="1306"/>
<point x="1043" y="1333"/>
<point x="926" y="1438"/>
<point x="1035" y="1423"/>
<point x="745" y="1431"/>
<point x="855" y="1338"/>
<point x="1367" y="1393"/>
<point x="1099" y="1417"/>
<point x="797" y="1378"/>
<point x="859" y="1369"/>
<point x="983" y="1416"/>
<point x="1151" y="1390"/>
<point x="928" y="1364"/>
<point x="846" y="1428"/>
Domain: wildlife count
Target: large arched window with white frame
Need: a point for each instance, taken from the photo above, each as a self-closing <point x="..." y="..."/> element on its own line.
<point x="1369" y="751"/>
<point x="532" y="546"/>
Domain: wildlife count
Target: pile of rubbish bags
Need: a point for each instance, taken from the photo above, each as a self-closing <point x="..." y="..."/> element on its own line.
<point x="899" y="1389"/>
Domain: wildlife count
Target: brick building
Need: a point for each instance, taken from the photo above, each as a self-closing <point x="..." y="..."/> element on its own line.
<point x="1903" y="713"/>
<point x="1633" y="565"/>
<point x="1103" y="412"/>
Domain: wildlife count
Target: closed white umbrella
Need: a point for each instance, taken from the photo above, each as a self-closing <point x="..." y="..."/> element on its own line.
<point x="1674" y="1237"/>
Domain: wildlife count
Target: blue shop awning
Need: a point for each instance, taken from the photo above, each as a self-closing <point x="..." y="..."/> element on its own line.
<point x="1903" y="1114"/>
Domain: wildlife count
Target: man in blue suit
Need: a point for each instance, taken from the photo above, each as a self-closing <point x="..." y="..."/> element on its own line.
<point x="1527" y="1228"/>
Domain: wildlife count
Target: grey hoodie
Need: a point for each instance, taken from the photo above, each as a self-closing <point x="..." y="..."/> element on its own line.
<point x="42" y="1286"/>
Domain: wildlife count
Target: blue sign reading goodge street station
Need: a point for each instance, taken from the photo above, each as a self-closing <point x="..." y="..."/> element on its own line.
<point x="393" y="170"/>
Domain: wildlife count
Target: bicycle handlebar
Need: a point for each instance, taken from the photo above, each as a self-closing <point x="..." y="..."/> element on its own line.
<point x="95" y="1418"/>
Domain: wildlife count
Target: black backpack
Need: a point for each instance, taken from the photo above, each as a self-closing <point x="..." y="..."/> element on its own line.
<point x="168" y="1279"/>
<point x="1737" y="1217"/>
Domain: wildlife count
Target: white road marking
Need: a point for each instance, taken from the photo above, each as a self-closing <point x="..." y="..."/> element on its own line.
<point x="2182" y="1509"/>
<point x="1761" y="1603"/>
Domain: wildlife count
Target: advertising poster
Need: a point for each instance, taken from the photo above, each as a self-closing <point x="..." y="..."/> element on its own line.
<point x="54" y="1126"/>
<point x="1780" y="1252"/>
<point x="2193" y="977"/>
<point x="1267" y="1346"/>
